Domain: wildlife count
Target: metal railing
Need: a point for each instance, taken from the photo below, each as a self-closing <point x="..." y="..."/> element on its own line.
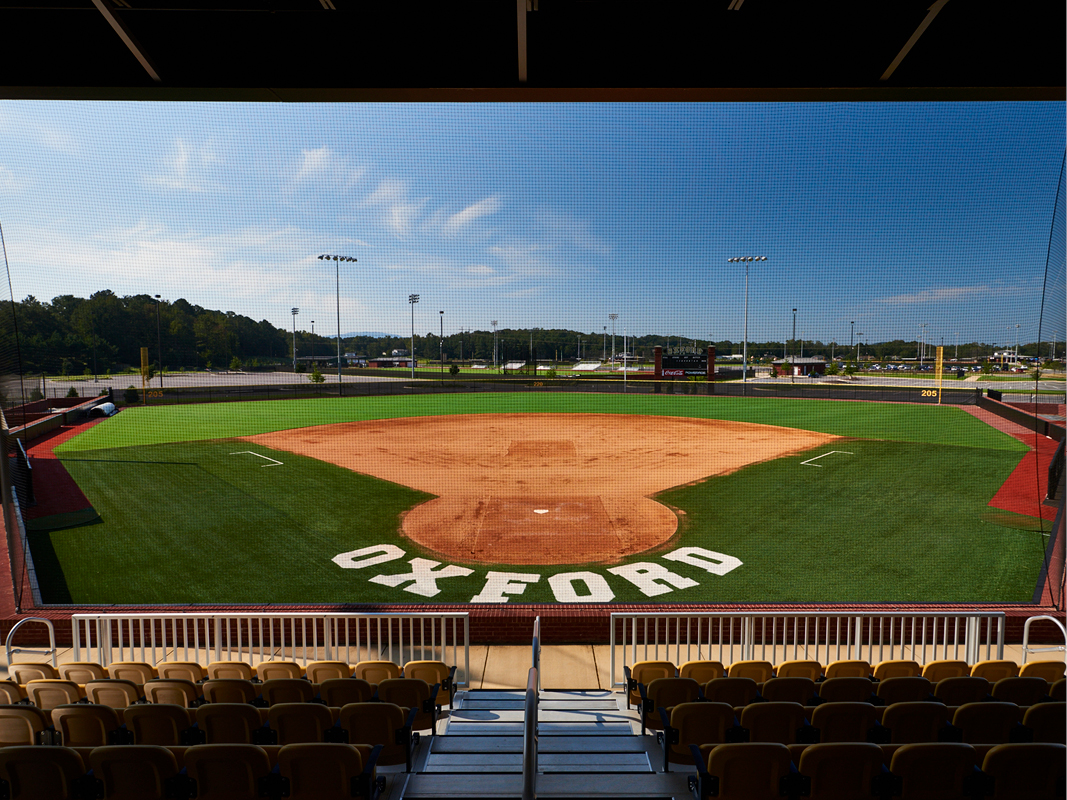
<point x="770" y="636"/>
<point x="1027" y="649"/>
<point x="529" y="728"/>
<point x="263" y="637"/>
<point x="51" y="651"/>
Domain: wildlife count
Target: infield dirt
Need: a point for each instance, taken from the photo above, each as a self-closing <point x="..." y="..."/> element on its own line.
<point x="542" y="488"/>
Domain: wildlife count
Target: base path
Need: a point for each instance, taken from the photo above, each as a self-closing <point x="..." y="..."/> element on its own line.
<point x="542" y="488"/>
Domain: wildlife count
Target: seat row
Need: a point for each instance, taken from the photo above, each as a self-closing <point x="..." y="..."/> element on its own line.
<point x="209" y="772"/>
<point x="757" y="771"/>
<point x="84" y="727"/>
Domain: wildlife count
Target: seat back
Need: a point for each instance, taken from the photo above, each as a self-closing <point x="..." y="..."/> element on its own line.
<point x="773" y="722"/>
<point x="699" y="723"/>
<point x="759" y="671"/>
<point x="229" y="690"/>
<point x="750" y="771"/>
<point x="20" y="725"/>
<point x="228" y="723"/>
<point x="82" y="671"/>
<point x="1051" y="671"/>
<point x="850" y="668"/>
<point x="1031" y="771"/>
<point x="35" y="772"/>
<point x="794" y="689"/>
<point x="812" y="670"/>
<point x="959" y="691"/>
<point x="237" y="670"/>
<point x="287" y="690"/>
<point x="702" y="671"/>
<point x="1048" y="721"/>
<point x="48" y="693"/>
<point x="935" y="671"/>
<point x="732" y="691"/>
<point x="669" y="692"/>
<point x="430" y="671"/>
<point x="172" y="691"/>
<point x="994" y="671"/>
<point x="844" y="722"/>
<point x="1021" y="691"/>
<point x="1058" y="690"/>
<point x="841" y="771"/>
<point x="933" y="771"/>
<point x="375" y="723"/>
<point x="85" y="725"/>
<point x="915" y="722"/>
<point x="898" y="668"/>
<point x="133" y="772"/>
<point x="338" y="692"/>
<point x="319" y="671"/>
<point x="647" y="671"/>
<point x="846" y="690"/>
<point x="272" y="670"/>
<point x="139" y="672"/>
<point x="159" y="724"/>
<point x="10" y="693"/>
<point x="376" y="671"/>
<point x="987" y="723"/>
<point x="112" y="692"/>
<point x="904" y="689"/>
<point x="24" y="673"/>
<point x="317" y="771"/>
<point x="181" y="670"/>
<point x="299" y="723"/>
<point x="227" y="771"/>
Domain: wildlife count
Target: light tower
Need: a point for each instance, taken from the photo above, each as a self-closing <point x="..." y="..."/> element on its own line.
<point x="613" y="317"/>
<point x="413" y="299"/>
<point x="295" y="312"/>
<point x="493" y="323"/>
<point x="744" y="366"/>
<point x="337" y="277"/>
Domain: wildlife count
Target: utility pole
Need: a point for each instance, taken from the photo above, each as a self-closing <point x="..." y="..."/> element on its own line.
<point x="494" y="343"/>
<point x="793" y="365"/>
<point x="413" y="299"/>
<point x="441" y="344"/>
<point x="613" y="317"/>
<point x="604" y="350"/>
<point x="295" y="312"/>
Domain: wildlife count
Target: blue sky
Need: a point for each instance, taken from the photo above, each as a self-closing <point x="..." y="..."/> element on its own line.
<point x="548" y="215"/>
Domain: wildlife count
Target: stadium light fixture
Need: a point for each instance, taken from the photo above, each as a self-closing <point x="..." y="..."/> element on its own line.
<point x="613" y="317"/>
<point x="744" y="358"/>
<point x="412" y="299"/>
<point x="337" y="277"/>
<point x="159" y="344"/>
<point x="295" y="312"/>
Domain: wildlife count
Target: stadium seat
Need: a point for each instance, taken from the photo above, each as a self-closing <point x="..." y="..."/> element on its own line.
<point x="24" y="673"/>
<point x="433" y="672"/>
<point x="229" y="690"/>
<point x="82" y="671"/>
<point x="789" y="690"/>
<point x="994" y="671"/>
<point x="988" y="723"/>
<point x="782" y="723"/>
<point x="732" y="691"/>
<point x="328" y="772"/>
<point x="935" y="671"/>
<point x="319" y="671"/>
<point x="83" y="725"/>
<point x="230" y="723"/>
<point x="1048" y="721"/>
<point x="300" y="723"/>
<point x="287" y="690"/>
<point x="841" y="771"/>
<point x="899" y="668"/>
<point x="645" y="672"/>
<point x="11" y="693"/>
<point x="271" y="670"/>
<point x="850" y="668"/>
<point x="846" y="690"/>
<point x="113" y="692"/>
<point x="702" y="671"/>
<point x="35" y="773"/>
<point x="904" y="690"/>
<point x="1051" y="671"/>
<point x="799" y="669"/>
<point x="162" y="724"/>
<point x="917" y="722"/>
<point x="24" y="725"/>
<point x="1058" y="690"/>
<point x="234" y="670"/>
<point x="1021" y="691"/>
<point x="934" y="771"/>
<point x="759" y="671"/>
<point x="382" y="723"/>
<point x="413" y="693"/>
<point x="228" y="771"/>
<point x="181" y="670"/>
<point x="697" y="724"/>
<point x="1027" y="771"/>
<point x="959" y="691"/>
<point x="750" y="771"/>
<point x="339" y="692"/>
<point x="47" y="693"/>
<point x="139" y="672"/>
<point x="138" y="772"/>
<point x="848" y="722"/>
<point x="664" y="693"/>
<point x="176" y="691"/>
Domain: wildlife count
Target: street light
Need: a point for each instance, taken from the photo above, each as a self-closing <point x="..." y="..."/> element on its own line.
<point x="159" y="344"/>
<point x="493" y="323"/>
<point x="744" y="366"/>
<point x="337" y="277"/>
<point x="413" y="299"/>
<point x="441" y="344"/>
<point x="922" y="342"/>
<point x="793" y="364"/>
<point x="313" y="344"/>
<point x="613" y="317"/>
<point x="295" y="312"/>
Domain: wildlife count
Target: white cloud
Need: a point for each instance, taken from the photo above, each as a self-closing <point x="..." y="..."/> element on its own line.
<point x="9" y="184"/>
<point x="945" y="294"/>
<point x="568" y="230"/>
<point x="457" y="221"/>
<point x="185" y="167"/>
<point x="524" y="292"/>
<point x="323" y="167"/>
<point x="480" y="269"/>
<point x="402" y="216"/>
<point x="388" y="191"/>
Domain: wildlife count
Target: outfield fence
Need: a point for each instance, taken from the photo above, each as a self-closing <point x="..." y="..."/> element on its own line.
<point x="255" y="638"/>
<point x="775" y="637"/>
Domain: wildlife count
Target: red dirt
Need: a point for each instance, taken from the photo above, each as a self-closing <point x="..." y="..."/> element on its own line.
<point x="53" y="488"/>
<point x="542" y="488"/>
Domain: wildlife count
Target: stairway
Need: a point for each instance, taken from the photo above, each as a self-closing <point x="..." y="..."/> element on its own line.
<point x="589" y="745"/>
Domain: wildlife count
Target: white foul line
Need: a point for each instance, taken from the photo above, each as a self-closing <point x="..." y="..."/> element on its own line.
<point x="808" y="462"/>
<point x="249" y="452"/>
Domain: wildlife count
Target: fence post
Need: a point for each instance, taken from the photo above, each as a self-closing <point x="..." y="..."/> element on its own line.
<point x="857" y="642"/>
<point x="972" y="630"/>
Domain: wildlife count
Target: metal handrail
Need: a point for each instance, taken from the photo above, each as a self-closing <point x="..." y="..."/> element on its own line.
<point x="536" y="663"/>
<point x="529" y="731"/>
<point x="51" y="651"/>
<point x="1026" y="636"/>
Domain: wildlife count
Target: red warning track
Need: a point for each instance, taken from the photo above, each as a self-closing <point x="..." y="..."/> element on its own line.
<point x="54" y="488"/>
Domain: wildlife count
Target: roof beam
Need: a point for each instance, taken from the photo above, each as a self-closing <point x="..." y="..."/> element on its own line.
<point x="107" y="8"/>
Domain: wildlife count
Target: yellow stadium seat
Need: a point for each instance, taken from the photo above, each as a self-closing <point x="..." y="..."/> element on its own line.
<point x="383" y="724"/>
<point x="319" y="671"/>
<point x="934" y="771"/>
<point x="750" y="771"/>
<point x="959" y="691"/>
<point x="847" y="722"/>
<point x="229" y="723"/>
<point x="412" y="693"/>
<point x="1051" y="671"/>
<point x="11" y="693"/>
<point x="139" y="672"/>
<point x="1021" y="691"/>
<point x="935" y="671"/>
<point x="233" y="670"/>
<point x="135" y="772"/>
<point x="1058" y="690"/>
<point x="82" y="671"/>
<point x="846" y="690"/>
<point x="300" y="723"/>
<point x="176" y="691"/>
<point x="23" y="725"/>
<point x="1030" y="771"/>
<point x="271" y="670"/>
<point x="732" y="691"/>
<point x="48" y="693"/>
<point x="113" y="692"/>
<point x="181" y="670"/>
<point x="904" y="690"/>
<point x="162" y="724"/>
<point x="782" y="723"/>
<point x="287" y="690"/>
<point x="800" y="669"/>
<point x="915" y="722"/>
<point x="841" y="771"/>
<point x="789" y="690"/>
<point x="665" y="693"/>
<point x="326" y="771"/>
<point x="433" y="672"/>
<point x="702" y="671"/>
<point x="339" y="692"/>
<point x="24" y="673"/>
<point x="1048" y="721"/>
<point x="229" y="690"/>
<point x="759" y="671"/>
<point x="994" y="671"/>
<point x="228" y="771"/>
<point x="83" y="725"/>
<point x="851" y="668"/>
<point x="645" y="672"/>
<point x="899" y="668"/>
<point x="987" y="723"/>
<point x="697" y="724"/>
<point x="35" y="773"/>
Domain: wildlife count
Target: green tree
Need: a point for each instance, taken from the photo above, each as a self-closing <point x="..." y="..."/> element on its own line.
<point x="850" y="369"/>
<point x="453" y="370"/>
<point x="831" y="369"/>
<point x="987" y="368"/>
<point x="72" y="392"/>
<point x="316" y="376"/>
<point x="235" y="364"/>
<point x="36" y="395"/>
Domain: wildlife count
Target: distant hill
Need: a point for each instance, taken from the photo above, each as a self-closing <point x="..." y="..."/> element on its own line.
<point x="371" y="334"/>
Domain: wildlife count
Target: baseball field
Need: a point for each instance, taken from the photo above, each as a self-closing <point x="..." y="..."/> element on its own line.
<point x="529" y="497"/>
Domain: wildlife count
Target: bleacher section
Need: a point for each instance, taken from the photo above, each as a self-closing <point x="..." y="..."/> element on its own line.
<point x="586" y="366"/>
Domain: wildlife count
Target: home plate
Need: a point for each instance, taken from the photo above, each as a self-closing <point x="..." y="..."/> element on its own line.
<point x="540" y="510"/>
